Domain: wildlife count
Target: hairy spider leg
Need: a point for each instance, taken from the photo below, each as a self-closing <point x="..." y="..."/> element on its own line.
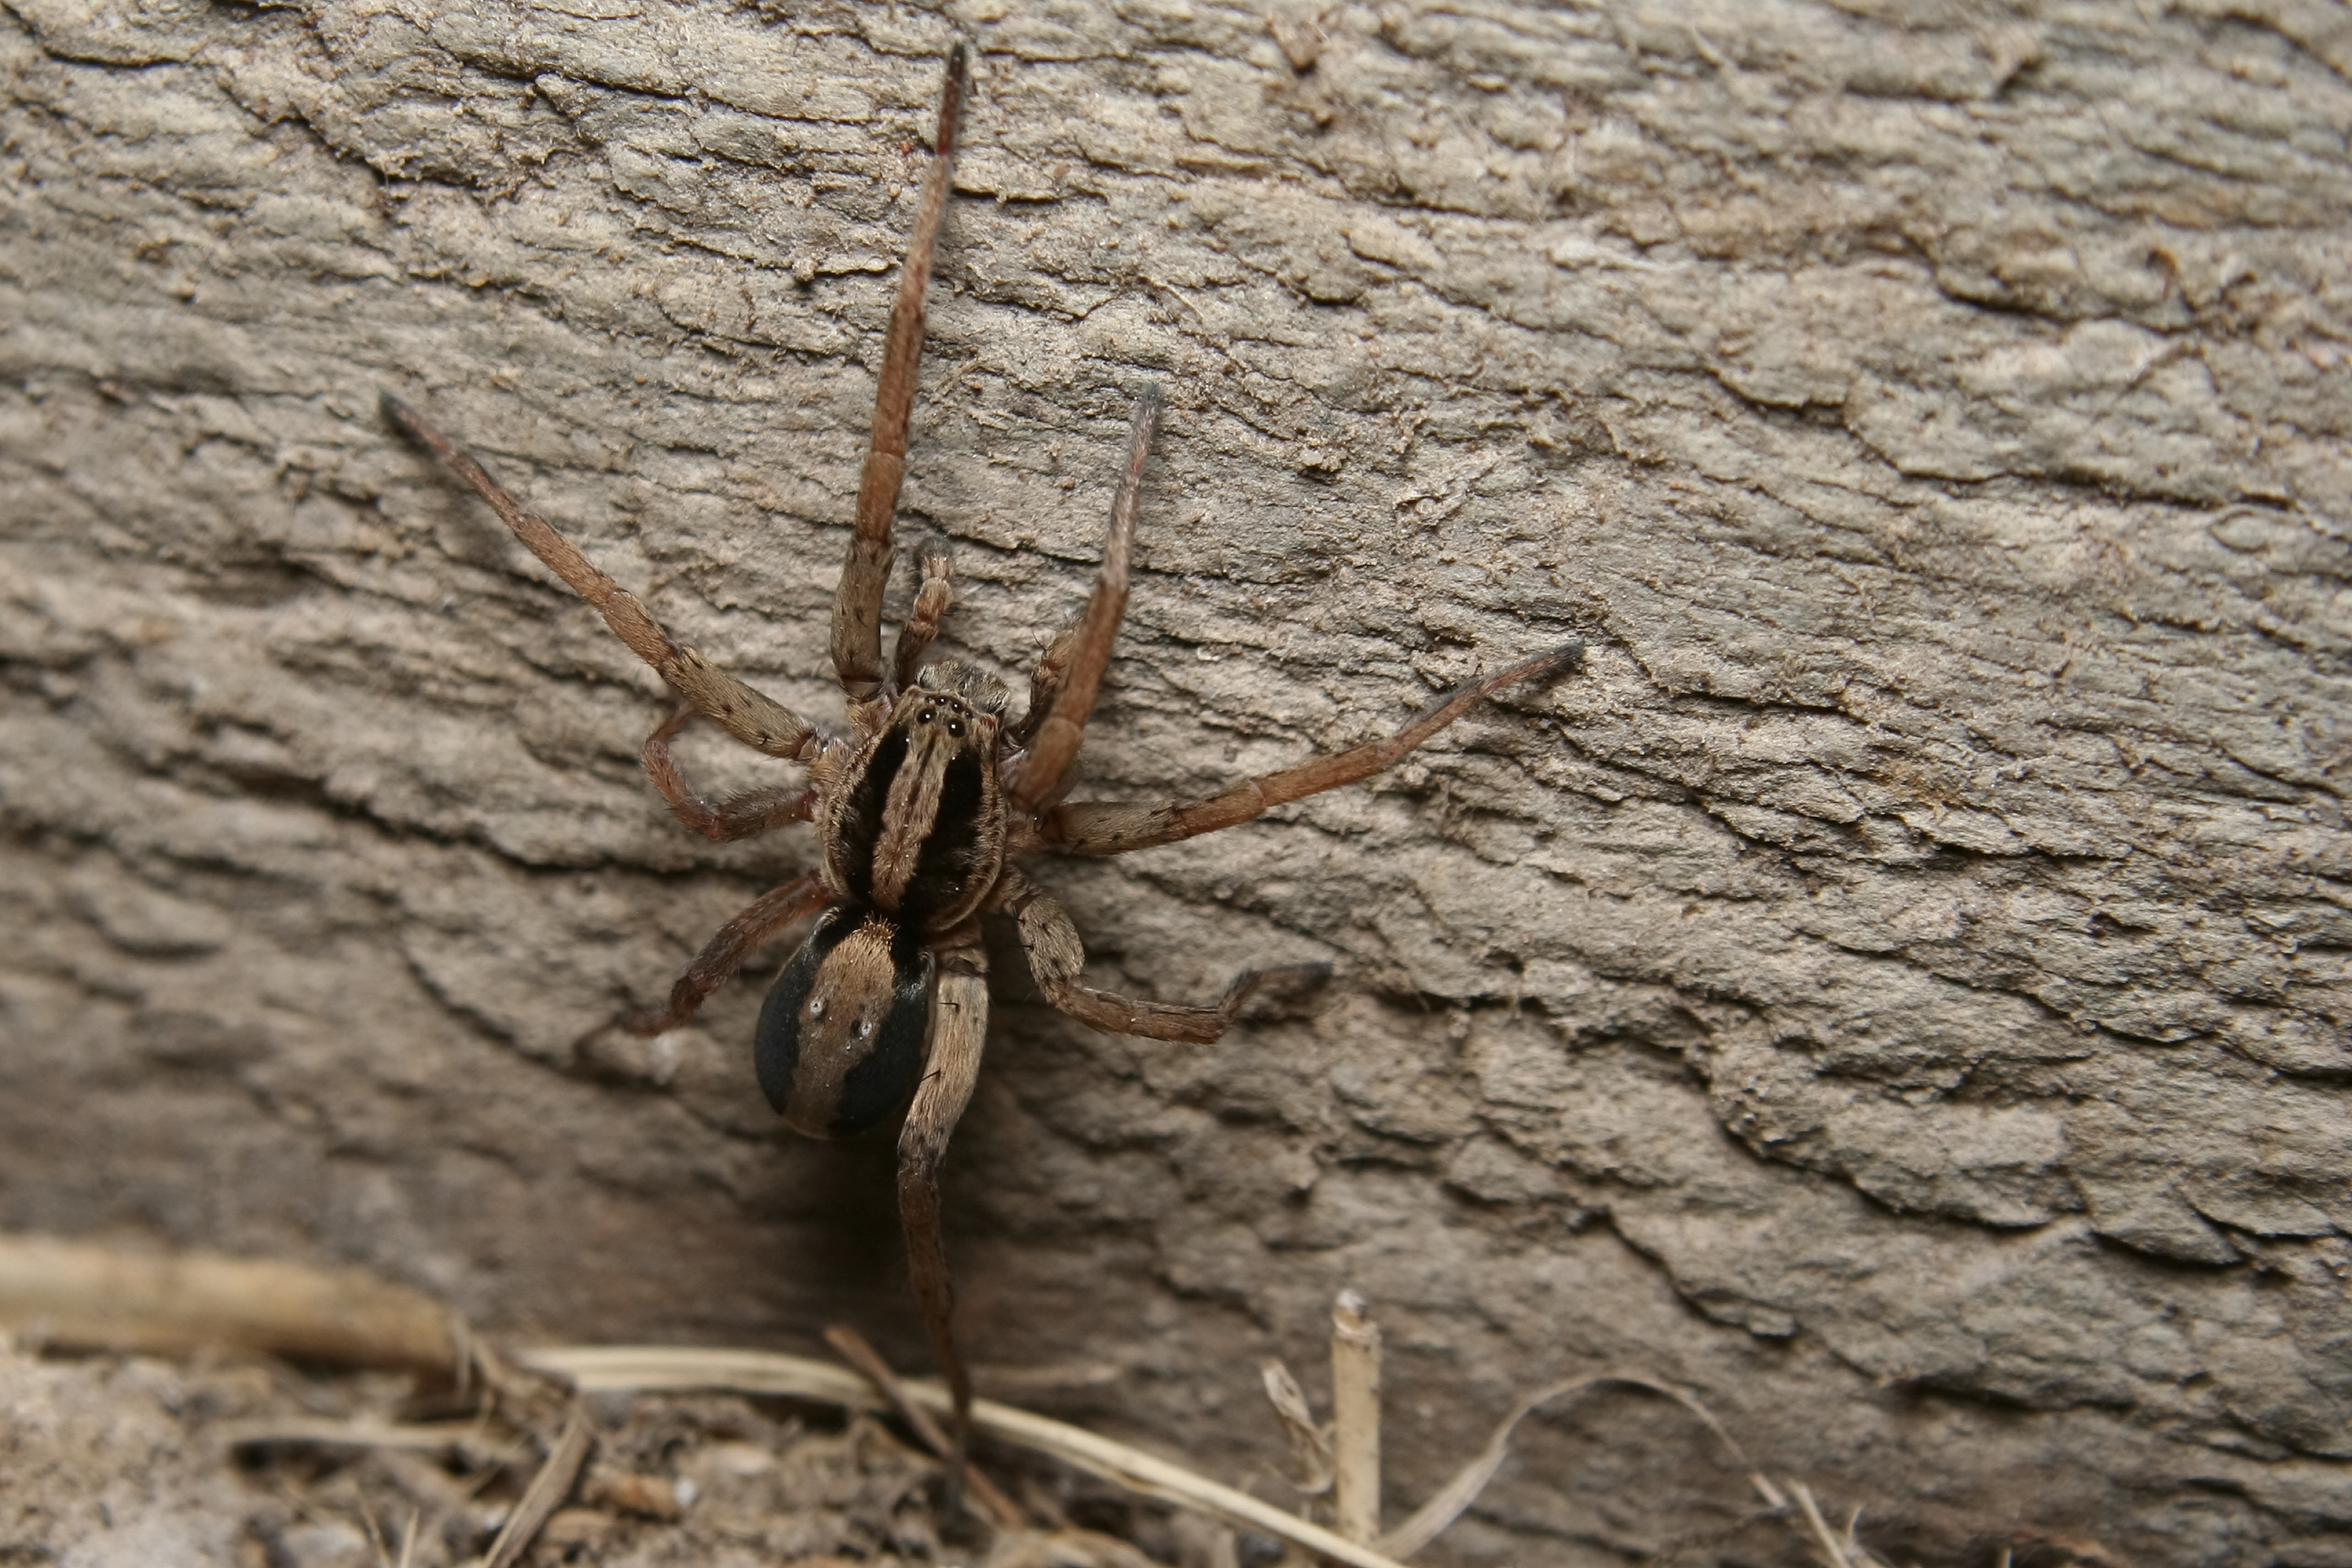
<point x="1056" y="954"/>
<point x="857" y="602"/>
<point x="745" y="816"/>
<point x="931" y="602"/>
<point x="1101" y="827"/>
<point x="1055" y="743"/>
<point x="1046" y="679"/>
<point x="753" y="717"/>
<point x="959" y="1028"/>
<point x="776" y="908"/>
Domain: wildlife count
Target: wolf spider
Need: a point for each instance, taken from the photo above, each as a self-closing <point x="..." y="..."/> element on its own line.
<point x="923" y="809"/>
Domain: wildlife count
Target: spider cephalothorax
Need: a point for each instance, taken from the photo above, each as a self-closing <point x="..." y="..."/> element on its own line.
<point x="921" y="809"/>
<point x="916" y="826"/>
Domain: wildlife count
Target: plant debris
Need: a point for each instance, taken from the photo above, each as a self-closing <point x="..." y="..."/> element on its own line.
<point x="635" y="1456"/>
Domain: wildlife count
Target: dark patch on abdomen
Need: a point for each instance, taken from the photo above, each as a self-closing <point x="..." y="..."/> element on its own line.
<point x="885" y="1077"/>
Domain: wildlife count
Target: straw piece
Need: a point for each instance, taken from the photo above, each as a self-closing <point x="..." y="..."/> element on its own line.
<point x="653" y="1497"/>
<point x="1356" y="1418"/>
<point x="619" y="1368"/>
<point x="78" y="1296"/>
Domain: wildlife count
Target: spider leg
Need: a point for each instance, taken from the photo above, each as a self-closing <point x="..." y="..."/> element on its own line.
<point x="858" y="603"/>
<point x="1057" y="738"/>
<point x="725" y="952"/>
<point x="743" y="816"/>
<point x="1098" y="827"/>
<point x="931" y="602"/>
<point x="751" y="717"/>
<point x="958" y="1027"/>
<point x="1056" y="956"/>
<point x="1046" y="679"/>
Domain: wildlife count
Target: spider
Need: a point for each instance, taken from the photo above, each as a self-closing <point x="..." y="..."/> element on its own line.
<point x="922" y="810"/>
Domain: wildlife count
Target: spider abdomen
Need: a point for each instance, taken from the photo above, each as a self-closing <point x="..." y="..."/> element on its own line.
<point x="840" y="1041"/>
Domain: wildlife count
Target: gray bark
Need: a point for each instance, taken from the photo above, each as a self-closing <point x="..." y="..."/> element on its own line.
<point x="1898" y="987"/>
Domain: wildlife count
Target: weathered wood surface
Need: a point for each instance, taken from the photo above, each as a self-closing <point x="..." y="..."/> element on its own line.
<point x="1898" y="988"/>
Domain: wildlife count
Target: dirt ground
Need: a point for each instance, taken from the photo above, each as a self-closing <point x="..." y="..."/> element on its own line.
<point x="139" y="1462"/>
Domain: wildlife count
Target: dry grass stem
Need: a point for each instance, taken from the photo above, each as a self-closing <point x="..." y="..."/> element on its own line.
<point x="1462" y="1490"/>
<point x="325" y="1433"/>
<point x="1356" y="1418"/>
<point x="1833" y="1556"/>
<point x="1836" y="1552"/>
<point x="868" y="1361"/>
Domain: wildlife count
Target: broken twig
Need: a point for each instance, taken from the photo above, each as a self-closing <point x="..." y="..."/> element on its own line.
<point x="546" y="1492"/>
<point x="868" y="1361"/>
<point x="1356" y="1418"/>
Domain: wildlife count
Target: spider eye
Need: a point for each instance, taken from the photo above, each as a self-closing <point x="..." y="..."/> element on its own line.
<point x="864" y="1027"/>
<point x="924" y="716"/>
<point x="955" y="728"/>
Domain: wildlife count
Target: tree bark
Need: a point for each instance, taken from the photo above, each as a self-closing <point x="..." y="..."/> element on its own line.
<point x="1897" y="987"/>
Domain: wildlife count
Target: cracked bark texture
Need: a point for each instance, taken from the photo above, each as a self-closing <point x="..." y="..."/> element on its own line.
<point x="1898" y="987"/>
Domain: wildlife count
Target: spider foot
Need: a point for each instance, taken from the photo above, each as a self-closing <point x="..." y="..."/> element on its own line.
<point x="1275" y="990"/>
<point x="638" y="1049"/>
